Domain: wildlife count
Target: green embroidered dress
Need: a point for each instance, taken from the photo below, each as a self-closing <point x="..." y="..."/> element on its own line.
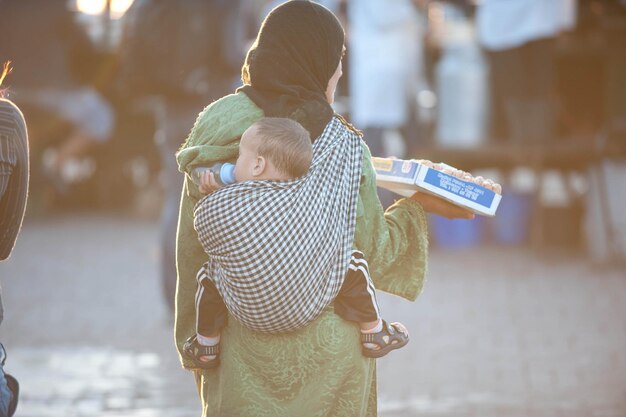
<point x="318" y="370"/>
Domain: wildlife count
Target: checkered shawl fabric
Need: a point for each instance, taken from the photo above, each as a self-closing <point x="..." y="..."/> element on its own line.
<point x="279" y="250"/>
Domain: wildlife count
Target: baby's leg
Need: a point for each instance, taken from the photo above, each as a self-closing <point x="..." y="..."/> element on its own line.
<point x="211" y="315"/>
<point x="357" y="298"/>
<point x="357" y="302"/>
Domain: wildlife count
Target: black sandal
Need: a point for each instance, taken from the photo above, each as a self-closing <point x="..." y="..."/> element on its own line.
<point x="393" y="336"/>
<point x="194" y="351"/>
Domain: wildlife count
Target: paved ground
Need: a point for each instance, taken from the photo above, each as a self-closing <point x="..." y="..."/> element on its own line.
<point x="497" y="332"/>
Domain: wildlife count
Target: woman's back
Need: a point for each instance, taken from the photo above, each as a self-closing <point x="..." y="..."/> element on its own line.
<point x="291" y="71"/>
<point x="318" y="370"/>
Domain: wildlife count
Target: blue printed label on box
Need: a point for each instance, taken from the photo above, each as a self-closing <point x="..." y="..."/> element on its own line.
<point x="467" y="190"/>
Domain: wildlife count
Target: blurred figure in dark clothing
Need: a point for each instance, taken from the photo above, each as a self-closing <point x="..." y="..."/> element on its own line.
<point x="176" y="56"/>
<point x="519" y="37"/>
<point x="592" y="70"/>
<point x="13" y="192"/>
<point x="45" y="44"/>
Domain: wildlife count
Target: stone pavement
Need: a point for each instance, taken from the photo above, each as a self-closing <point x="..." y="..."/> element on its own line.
<point x="497" y="332"/>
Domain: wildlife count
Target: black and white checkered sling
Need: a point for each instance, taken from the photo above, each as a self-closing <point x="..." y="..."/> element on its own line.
<point x="279" y="250"/>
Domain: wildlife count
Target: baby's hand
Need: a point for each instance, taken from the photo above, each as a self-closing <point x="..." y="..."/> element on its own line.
<point x="208" y="183"/>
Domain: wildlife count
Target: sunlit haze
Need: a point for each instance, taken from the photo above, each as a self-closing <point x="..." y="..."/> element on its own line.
<point x="96" y="7"/>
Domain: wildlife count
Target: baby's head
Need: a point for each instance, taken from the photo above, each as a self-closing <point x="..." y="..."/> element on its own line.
<point x="274" y="148"/>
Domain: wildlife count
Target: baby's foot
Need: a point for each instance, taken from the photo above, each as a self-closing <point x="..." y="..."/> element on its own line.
<point x="367" y="328"/>
<point x="384" y="338"/>
<point x="203" y="356"/>
<point x="208" y="341"/>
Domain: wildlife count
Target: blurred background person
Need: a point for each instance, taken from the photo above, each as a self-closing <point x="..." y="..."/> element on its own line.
<point x="384" y="52"/>
<point x="14" y="163"/>
<point x="51" y="55"/>
<point x="519" y="36"/>
<point x="192" y="59"/>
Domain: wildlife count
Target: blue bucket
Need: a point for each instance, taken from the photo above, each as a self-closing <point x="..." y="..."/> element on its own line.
<point x="457" y="234"/>
<point x="511" y="225"/>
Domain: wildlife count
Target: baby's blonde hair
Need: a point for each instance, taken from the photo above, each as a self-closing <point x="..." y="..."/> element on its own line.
<point x="286" y="144"/>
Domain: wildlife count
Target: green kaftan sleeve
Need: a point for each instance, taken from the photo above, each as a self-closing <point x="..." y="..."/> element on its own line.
<point x="395" y="242"/>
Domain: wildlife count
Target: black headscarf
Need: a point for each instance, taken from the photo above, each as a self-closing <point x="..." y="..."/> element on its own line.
<point x="287" y="70"/>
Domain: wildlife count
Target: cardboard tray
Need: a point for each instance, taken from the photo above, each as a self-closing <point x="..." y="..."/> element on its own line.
<point x="407" y="177"/>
